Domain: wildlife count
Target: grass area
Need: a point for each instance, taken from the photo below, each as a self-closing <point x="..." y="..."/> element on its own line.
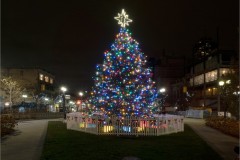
<point x="63" y="144"/>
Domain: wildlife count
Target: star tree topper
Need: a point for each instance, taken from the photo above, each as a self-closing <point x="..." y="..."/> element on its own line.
<point x="123" y="19"/>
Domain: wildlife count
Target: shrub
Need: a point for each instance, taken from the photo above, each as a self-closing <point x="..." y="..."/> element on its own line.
<point x="225" y="125"/>
<point x="7" y="124"/>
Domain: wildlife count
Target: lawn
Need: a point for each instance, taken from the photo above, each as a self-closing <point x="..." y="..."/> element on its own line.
<point x="63" y="144"/>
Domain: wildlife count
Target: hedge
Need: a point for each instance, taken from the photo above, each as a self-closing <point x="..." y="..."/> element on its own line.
<point x="7" y="124"/>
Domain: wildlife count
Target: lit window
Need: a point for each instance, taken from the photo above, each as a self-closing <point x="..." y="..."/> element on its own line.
<point x="199" y="79"/>
<point x="224" y="71"/>
<point x="208" y="92"/>
<point x="214" y="91"/>
<point x="46" y="79"/>
<point x="41" y="77"/>
<point x="51" y="80"/>
<point x="211" y="76"/>
<point x="42" y="87"/>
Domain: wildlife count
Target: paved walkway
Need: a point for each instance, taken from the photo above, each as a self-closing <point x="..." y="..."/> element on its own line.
<point x="26" y="143"/>
<point x="221" y="143"/>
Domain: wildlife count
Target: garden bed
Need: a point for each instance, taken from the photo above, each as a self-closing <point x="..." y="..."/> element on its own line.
<point x="8" y="123"/>
<point x="225" y="125"/>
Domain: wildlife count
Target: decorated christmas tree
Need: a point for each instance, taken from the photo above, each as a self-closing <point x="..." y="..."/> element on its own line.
<point x="123" y="82"/>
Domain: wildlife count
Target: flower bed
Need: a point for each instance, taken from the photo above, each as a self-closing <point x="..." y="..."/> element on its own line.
<point x="225" y="125"/>
<point x="7" y="124"/>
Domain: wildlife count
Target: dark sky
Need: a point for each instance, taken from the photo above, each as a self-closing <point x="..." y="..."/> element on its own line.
<point x="68" y="37"/>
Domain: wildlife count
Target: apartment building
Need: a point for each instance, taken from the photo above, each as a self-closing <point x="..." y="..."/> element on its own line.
<point x="35" y="79"/>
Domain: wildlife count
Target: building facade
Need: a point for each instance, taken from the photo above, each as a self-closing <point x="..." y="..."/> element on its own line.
<point x="35" y="81"/>
<point x="200" y="86"/>
<point x="205" y="75"/>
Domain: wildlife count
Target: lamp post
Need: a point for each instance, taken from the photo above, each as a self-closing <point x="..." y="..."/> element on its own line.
<point x="24" y="97"/>
<point x="162" y="99"/>
<point x="223" y="91"/>
<point x="46" y="100"/>
<point x="162" y="90"/>
<point x="64" y="89"/>
<point x="7" y="104"/>
<point x="81" y="95"/>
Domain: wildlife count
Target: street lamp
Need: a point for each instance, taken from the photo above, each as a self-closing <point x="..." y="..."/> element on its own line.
<point x="24" y="97"/>
<point x="81" y="95"/>
<point x="46" y="103"/>
<point x="162" y="99"/>
<point x="7" y="104"/>
<point x="64" y="89"/>
<point x="221" y="84"/>
<point x="162" y="90"/>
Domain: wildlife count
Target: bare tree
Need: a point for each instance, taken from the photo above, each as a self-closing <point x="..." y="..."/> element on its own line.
<point x="11" y="90"/>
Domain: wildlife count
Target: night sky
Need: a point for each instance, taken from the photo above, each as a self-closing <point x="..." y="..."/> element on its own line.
<point x="68" y="38"/>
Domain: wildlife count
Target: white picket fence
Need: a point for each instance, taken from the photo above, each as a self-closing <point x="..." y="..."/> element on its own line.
<point x="136" y="126"/>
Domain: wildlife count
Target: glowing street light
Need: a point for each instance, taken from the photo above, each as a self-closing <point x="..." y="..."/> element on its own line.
<point x="162" y="90"/>
<point x="80" y="94"/>
<point x="64" y="89"/>
<point x="7" y="104"/>
<point x="221" y="83"/>
<point x="80" y="102"/>
<point x="162" y="99"/>
<point x="24" y="96"/>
